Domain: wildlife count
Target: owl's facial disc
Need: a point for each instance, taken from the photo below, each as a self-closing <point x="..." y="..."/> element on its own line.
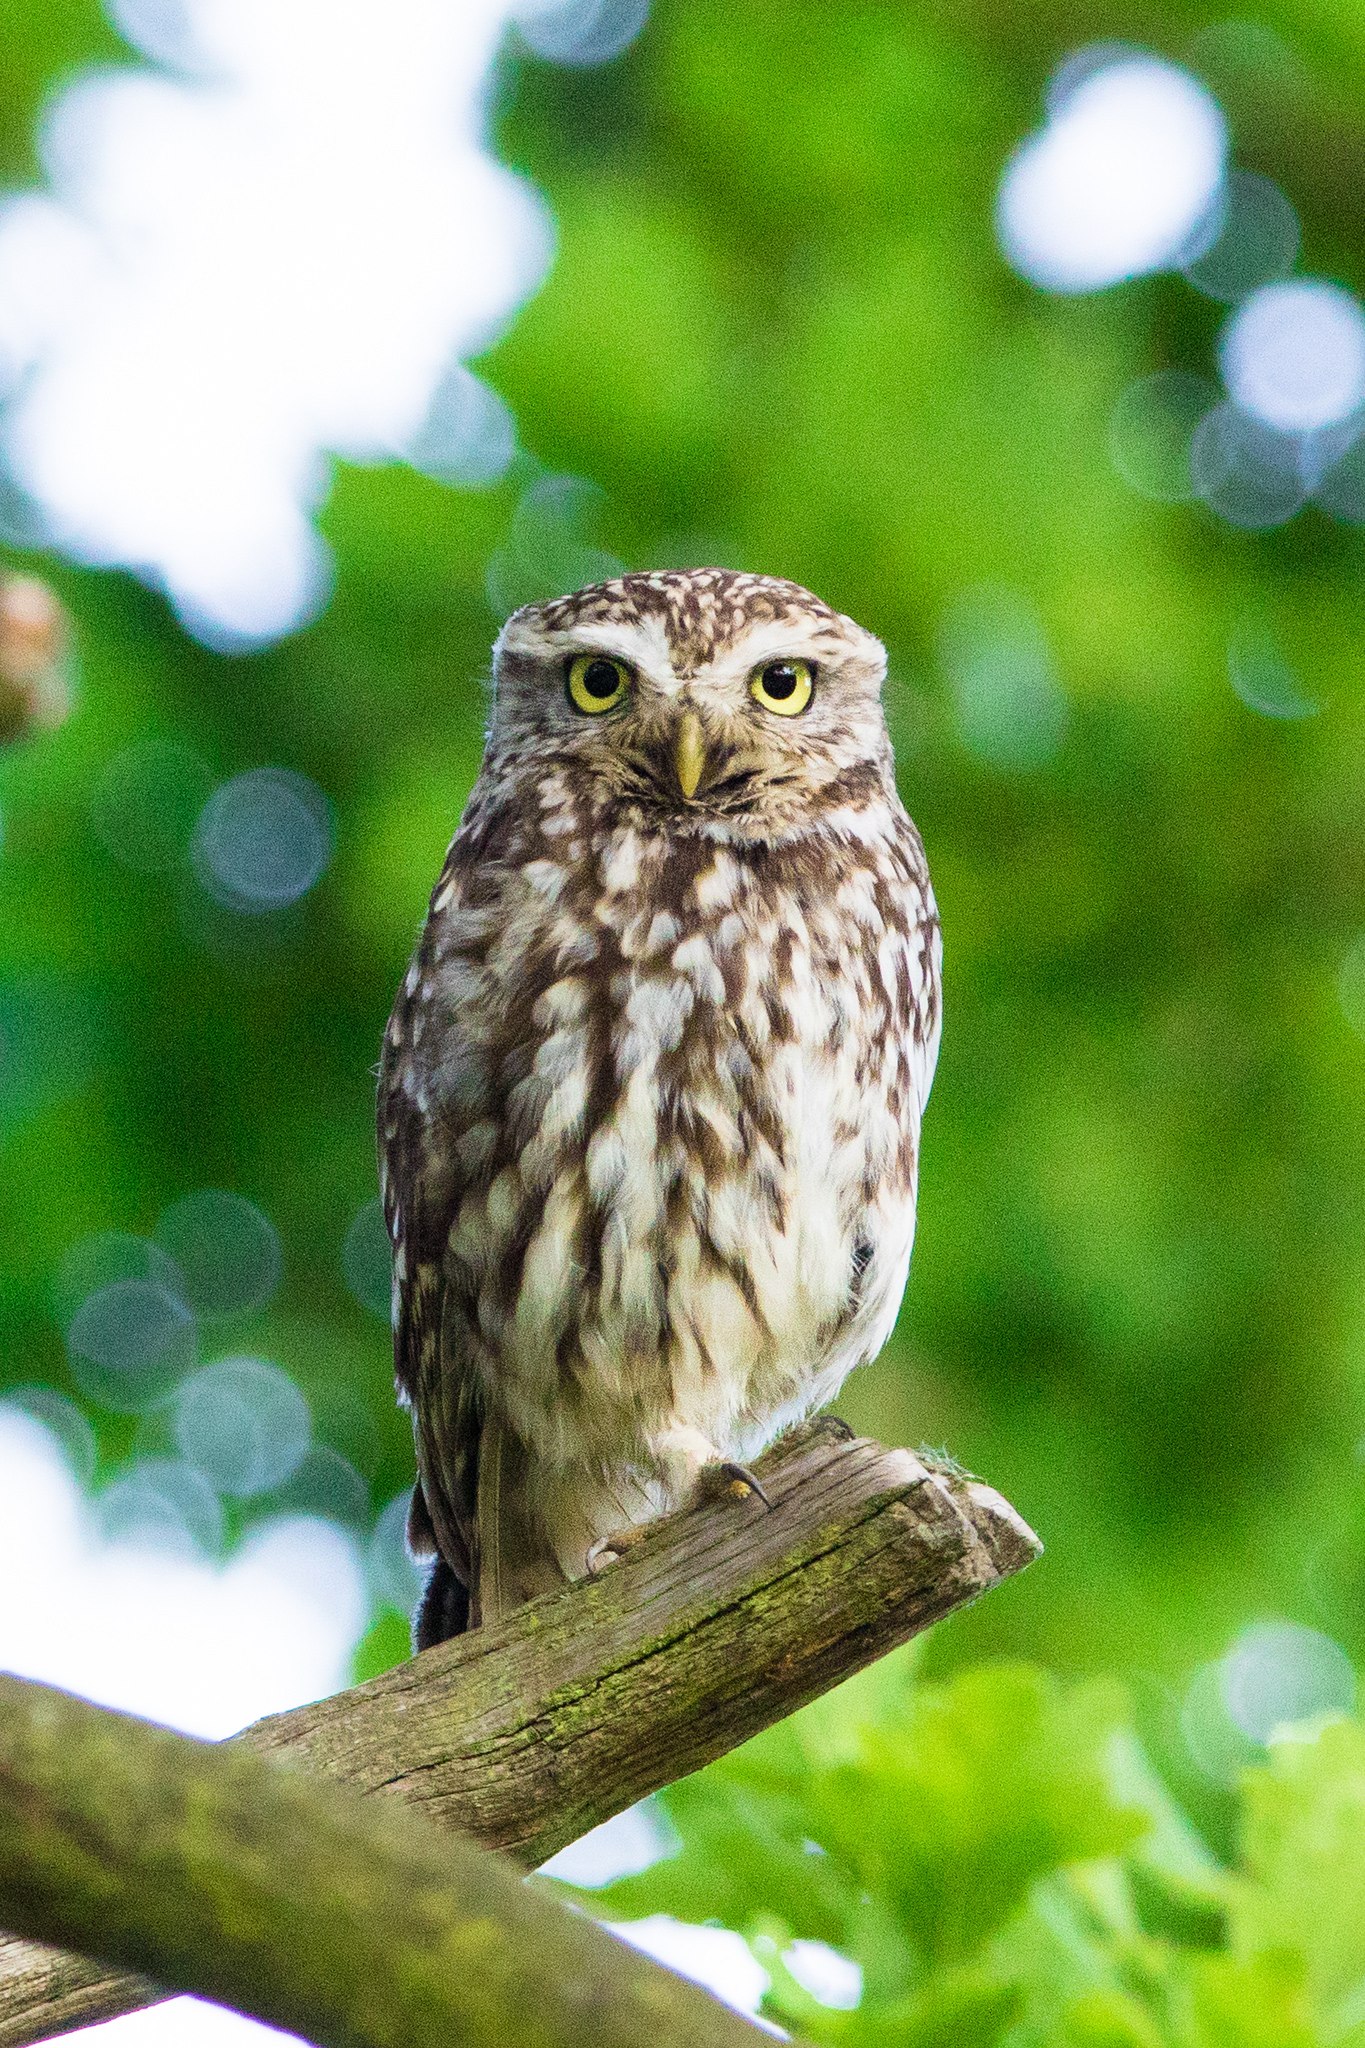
<point x="702" y="694"/>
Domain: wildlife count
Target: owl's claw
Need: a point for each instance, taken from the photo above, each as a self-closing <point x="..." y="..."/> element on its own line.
<point x="720" y="1479"/>
<point x="727" y="1477"/>
<point x="609" y="1550"/>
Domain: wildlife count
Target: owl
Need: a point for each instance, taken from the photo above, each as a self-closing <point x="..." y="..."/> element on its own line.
<point x="650" y="1095"/>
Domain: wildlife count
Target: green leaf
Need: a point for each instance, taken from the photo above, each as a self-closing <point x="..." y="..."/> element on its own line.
<point x="387" y="1641"/>
<point x="1255" y="2002"/>
<point x="1083" y="1966"/>
<point x="1303" y="1894"/>
<point x="907" y="1830"/>
<point x="969" y="2005"/>
<point x="995" y="1779"/>
<point x="744" y="1851"/>
<point x="1108" y="2019"/>
<point x="1175" y="1911"/>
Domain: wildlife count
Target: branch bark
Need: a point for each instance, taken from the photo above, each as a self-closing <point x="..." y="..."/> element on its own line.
<point x="356" y="1925"/>
<point x="527" y="1733"/>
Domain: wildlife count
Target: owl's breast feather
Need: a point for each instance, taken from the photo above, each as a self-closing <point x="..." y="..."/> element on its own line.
<point x="685" y="1085"/>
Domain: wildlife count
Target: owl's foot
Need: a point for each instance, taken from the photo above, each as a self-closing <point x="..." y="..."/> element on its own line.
<point x="726" y="1479"/>
<point x="609" y="1550"/>
<point x="717" y="1479"/>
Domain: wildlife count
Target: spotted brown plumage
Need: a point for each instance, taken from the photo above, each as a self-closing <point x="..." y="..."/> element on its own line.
<point x="651" y="1091"/>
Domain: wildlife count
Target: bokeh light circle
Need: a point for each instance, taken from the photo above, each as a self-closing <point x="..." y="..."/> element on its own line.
<point x="1256" y="242"/>
<point x="581" y="31"/>
<point x="1152" y="428"/>
<point x="263" y="839"/>
<point x="396" y="1578"/>
<point x="63" y="1420"/>
<point x="227" y="1251"/>
<point x="468" y="437"/>
<point x="243" y="1424"/>
<point x="324" y="1483"/>
<point x="110" y="1255"/>
<point x="1263" y="678"/>
<point x="1338" y="485"/>
<point x="1127" y="168"/>
<point x="162" y="1504"/>
<point x="548" y="549"/>
<point x="1244" y="470"/>
<point x="1293" y="355"/>
<point x="1279" y="1673"/>
<point x="367" y="1260"/>
<point x="1216" y="1744"/>
<point x="130" y="1343"/>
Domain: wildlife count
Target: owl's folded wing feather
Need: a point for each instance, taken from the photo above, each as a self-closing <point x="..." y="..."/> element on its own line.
<point x="422" y="1189"/>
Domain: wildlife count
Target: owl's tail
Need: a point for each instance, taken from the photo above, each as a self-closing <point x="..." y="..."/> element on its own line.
<point x="443" y="1610"/>
<point x="514" y="1558"/>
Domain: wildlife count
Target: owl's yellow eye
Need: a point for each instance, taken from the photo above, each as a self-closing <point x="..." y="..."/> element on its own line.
<point x="782" y="686"/>
<point x="597" y="682"/>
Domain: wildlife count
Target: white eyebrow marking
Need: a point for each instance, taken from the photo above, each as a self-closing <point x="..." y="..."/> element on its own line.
<point x="641" y="643"/>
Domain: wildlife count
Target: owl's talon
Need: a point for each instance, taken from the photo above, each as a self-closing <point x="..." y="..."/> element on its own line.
<point x="609" y="1550"/>
<point x="727" y="1476"/>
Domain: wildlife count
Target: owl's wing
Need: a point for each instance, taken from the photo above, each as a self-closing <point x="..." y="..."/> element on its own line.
<point x="422" y="1189"/>
<point x="926" y="1027"/>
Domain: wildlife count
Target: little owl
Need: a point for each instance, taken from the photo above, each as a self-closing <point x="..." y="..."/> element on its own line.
<point x="650" y="1097"/>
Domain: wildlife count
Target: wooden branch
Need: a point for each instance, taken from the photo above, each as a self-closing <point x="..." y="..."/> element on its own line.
<point x="355" y="1924"/>
<point x="722" y="1620"/>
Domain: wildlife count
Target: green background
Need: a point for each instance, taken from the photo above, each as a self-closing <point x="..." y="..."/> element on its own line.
<point x="779" y="333"/>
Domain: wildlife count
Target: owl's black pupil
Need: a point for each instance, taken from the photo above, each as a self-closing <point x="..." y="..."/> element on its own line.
<point x="600" y="679"/>
<point x="780" y="680"/>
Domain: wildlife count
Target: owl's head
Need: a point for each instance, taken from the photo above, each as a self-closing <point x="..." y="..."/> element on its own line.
<point x="693" y="692"/>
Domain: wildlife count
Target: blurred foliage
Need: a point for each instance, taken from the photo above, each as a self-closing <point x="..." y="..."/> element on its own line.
<point x="1002" y="1865"/>
<point x="779" y="334"/>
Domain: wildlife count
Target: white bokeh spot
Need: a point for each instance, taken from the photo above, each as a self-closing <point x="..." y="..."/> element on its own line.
<point x="1128" y="166"/>
<point x="1293" y="355"/>
<point x="1281" y="1675"/>
<point x="202" y="1646"/>
<point x="168" y="1634"/>
<point x="275" y="256"/>
<point x="713" y="1956"/>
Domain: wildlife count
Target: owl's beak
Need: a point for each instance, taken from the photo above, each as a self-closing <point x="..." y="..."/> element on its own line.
<point x="690" y="754"/>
